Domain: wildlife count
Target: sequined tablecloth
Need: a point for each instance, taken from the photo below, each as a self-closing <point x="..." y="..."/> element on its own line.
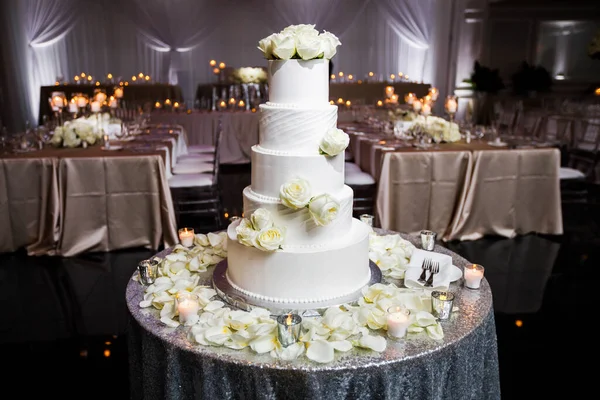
<point x="464" y="365"/>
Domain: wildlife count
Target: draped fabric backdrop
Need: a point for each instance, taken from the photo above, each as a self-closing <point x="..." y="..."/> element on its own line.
<point x="173" y="40"/>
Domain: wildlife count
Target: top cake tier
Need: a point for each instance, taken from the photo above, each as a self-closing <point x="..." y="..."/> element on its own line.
<point x="298" y="82"/>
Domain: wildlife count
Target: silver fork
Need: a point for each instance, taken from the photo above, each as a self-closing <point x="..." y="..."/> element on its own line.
<point x="425" y="267"/>
<point x="435" y="268"/>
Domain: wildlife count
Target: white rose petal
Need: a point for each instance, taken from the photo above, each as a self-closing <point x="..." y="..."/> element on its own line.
<point x="295" y="194"/>
<point x="435" y="331"/>
<point x="291" y="352"/>
<point x="334" y="142"/>
<point x="263" y="344"/>
<point x="261" y="219"/>
<point x="283" y="46"/>
<point x="308" y="46"/>
<point x="265" y="46"/>
<point x="329" y="43"/>
<point x="342" y="345"/>
<point x="269" y="239"/>
<point x="376" y="343"/>
<point x="245" y="232"/>
<point x="323" y="209"/>
<point x="320" y="351"/>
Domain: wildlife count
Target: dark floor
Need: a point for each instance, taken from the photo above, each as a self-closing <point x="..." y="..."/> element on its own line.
<point x="64" y="322"/>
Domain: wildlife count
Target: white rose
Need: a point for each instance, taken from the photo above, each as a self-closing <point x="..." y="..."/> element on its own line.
<point x="265" y="46"/>
<point x="269" y="239"/>
<point x="329" y="43"/>
<point x="334" y="142"/>
<point x="301" y="29"/>
<point x="283" y="46"/>
<point x="295" y="194"/>
<point x="323" y="209"/>
<point x="261" y="219"/>
<point x="308" y="46"/>
<point x="245" y="232"/>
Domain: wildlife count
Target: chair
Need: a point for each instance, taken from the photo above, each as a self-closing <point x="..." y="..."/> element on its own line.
<point x="198" y="195"/>
<point x="198" y="163"/>
<point x="364" y="187"/>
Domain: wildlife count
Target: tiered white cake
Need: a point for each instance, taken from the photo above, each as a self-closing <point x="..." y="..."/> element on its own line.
<point x="316" y="262"/>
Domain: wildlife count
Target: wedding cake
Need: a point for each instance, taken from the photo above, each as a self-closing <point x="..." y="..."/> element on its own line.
<point x="298" y="242"/>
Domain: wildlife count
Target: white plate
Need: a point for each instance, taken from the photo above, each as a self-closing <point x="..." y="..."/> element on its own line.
<point x="498" y="144"/>
<point x="111" y="148"/>
<point x="455" y="273"/>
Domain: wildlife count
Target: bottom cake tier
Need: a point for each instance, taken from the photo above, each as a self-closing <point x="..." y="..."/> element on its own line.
<point x="301" y="275"/>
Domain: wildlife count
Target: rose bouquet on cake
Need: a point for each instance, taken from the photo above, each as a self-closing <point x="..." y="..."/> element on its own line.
<point x="438" y="129"/>
<point x="299" y="42"/>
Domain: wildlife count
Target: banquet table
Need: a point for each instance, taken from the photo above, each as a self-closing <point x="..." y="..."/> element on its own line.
<point x="164" y="364"/>
<point x="135" y="93"/>
<point x="460" y="190"/>
<point x="66" y="201"/>
<point x="240" y="130"/>
<point x="370" y="92"/>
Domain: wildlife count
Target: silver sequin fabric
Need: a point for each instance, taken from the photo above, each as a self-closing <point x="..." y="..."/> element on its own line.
<point x="164" y="364"/>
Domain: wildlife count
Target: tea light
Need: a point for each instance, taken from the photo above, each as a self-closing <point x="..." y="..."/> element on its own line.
<point x="81" y="101"/>
<point x="340" y="101"/>
<point x="216" y="71"/>
<point x="410" y="98"/>
<point x="73" y="107"/>
<point x="394" y="99"/>
<point x="398" y="320"/>
<point x="332" y="77"/>
<point x="57" y="101"/>
<point x="109" y="76"/>
<point x="341" y="74"/>
<point x="371" y="74"/>
<point x="241" y="104"/>
<point x="331" y="102"/>
<point x="350" y="77"/>
<point x="119" y="93"/>
<point x="76" y="79"/>
<point x="288" y="329"/>
<point x="187" y="307"/>
<point x="473" y="276"/>
<point x="186" y="237"/>
<point x="231" y="101"/>
<point x="95" y="106"/>
<point x="442" y="303"/>
<point x="428" y="240"/>
<point x="212" y="63"/>
<point x="426" y="110"/>
<point x="147" y="77"/>
<point x="348" y="103"/>
<point x="417" y="105"/>
<point x="222" y="104"/>
<point x="148" y="271"/>
<point x="392" y="77"/>
<point x="379" y="103"/>
<point x="176" y="105"/>
<point x="112" y="102"/>
<point x="434" y="93"/>
<point x="167" y="102"/>
<point x="222" y="65"/>
<point x="157" y="104"/>
<point x="389" y="91"/>
<point x="106" y="142"/>
<point x="367" y="219"/>
<point x="451" y="105"/>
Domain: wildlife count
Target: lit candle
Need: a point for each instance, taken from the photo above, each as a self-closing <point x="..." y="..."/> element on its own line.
<point x="176" y="105"/>
<point x="348" y="103"/>
<point x="232" y="101"/>
<point x="389" y="91"/>
<point x="216" y="71"/>
<point x="141" y="75"/>
<point x="81" y="101"/>
<point x="332" y="77"/>
<point x="186" y="237"/>
<point x="212" y="63"/>
<point x="341" y="74"/>
<point x="451" y="105"/>
<point x="288" y="329"/>
<point x="58" y="101"/>
<point x="119" y="93"/>
<point x="147" y="77"/>
<point x="73" y="106"/>
<point x="106" y="142"/>
<point x="133" y="78"/>
<point x="350" y="77"/>
<point x="394" y="99"/>
<point x="167" y="102"/>
<point x="426" y="110"/>
<point x="222" y="104"/>
<point x="89" y="78"/>
<point x="241" y="104"/>
<point x="157" y="104"/>
<point x="409" y="98"/>
<point x="417" y="105"/>
<point x="109" y="76"/>
<point x="379" y="103"/>
<point x="434" y="93"/>
<point x="340" y="101"/>
<point x="95" y="106"/>
<point x="187" y="307"/>
<point x="371" y="74"/>
<point x="331" y="102"/>
<point x="112" y="102"/>
<point x="76" y="78"/>
<point x="400" y="75"/>
<point x="100" y="97"/>
<point x="392" y="77"/>
<point x="222" y="65"/>
<point x="398" y="320"/>
<point x="473" y="276"/>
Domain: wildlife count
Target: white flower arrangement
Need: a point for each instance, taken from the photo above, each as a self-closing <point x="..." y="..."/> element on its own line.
<point x="249" y="75"/>
<point x="299" y="42"/>
<point x="260" y="231"/>
<point x="391" y="253"/>
<point x="297" y="194"/>
<point x="437" y="128"/>
<point x="74" y="134"/>
<point x="334" y="142"/>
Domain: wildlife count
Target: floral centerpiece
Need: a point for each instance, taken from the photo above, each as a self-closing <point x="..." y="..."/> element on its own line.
<point x="84" y="131"/>
<point x="299" y="42"/>
<point x="438" y="129"/>
<point x="249" y="75"/>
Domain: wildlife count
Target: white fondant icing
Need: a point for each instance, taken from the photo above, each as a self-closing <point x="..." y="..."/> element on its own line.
<point x="300" y="229"/>
<point x="295" y="130"/>
<point x="301" y="275"/>
<point x="271" y="170"/>
<point x="298" y="81"/>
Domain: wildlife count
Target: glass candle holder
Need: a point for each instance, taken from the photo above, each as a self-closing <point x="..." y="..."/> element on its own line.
<point x="288" y="329"/>
<point x="473" y="276"/>
<point x="367" y="219"/>
<point x="428" y="240"/>
<point x="148" y="270"/>
<point x="186" y="237"/>
<point x="398" y="320"/>
<point x="442" y="303"/>
<point x="188" y="306"/>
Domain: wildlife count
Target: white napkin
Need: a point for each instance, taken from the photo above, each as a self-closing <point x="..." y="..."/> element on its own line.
<point x="441" y="280"/>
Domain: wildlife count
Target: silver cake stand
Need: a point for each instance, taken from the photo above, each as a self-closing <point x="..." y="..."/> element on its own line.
<point x="239" y="300"/>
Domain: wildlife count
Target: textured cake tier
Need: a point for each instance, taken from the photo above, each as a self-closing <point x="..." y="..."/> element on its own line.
<point x="271" y="169"/>
<point x="300" y="229"/>
<point x="301" y="275"/>
<point x="297" y="130"/>
<point x="299" y="81"/>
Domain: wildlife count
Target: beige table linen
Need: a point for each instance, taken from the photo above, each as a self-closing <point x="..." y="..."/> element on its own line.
<point x="126" y="204"/>
<point x="29" y="205"/>
<point x="510" y="193"/>
<point x="421" y="190"/>
<point x="240" y="130"/>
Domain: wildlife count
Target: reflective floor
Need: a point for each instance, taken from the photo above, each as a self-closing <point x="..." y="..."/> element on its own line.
<point x="64" y="321"/>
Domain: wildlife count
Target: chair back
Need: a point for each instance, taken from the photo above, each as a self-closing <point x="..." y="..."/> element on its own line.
<point x="218" y="149"/>
<point x="588" y="138"/>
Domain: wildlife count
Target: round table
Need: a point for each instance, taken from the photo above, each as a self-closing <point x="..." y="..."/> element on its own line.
<point x="164" y="364"/>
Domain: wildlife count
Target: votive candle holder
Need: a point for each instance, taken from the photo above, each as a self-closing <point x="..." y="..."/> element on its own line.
<point x="148" y="271"/>
<point x="186" y="237"/>
<point x="188" y="305"/>
<point x="473" y="275"/>
<point x="367" y="219"/>
<point x="288" y="329"/>
<point x="442" y="303"/>
<point x="398" y="321"/>
<point x="428" y="240"/>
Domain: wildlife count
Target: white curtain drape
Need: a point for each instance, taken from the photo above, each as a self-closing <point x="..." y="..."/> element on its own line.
<point x="173" y="40"/>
